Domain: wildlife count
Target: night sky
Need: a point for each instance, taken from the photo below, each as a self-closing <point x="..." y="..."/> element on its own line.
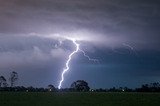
<point x="124" y="35"/>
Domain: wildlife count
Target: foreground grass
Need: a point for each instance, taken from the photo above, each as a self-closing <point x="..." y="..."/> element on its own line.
<point x="78" y="99"/>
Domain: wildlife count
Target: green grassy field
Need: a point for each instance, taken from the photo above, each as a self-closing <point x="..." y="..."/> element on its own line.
<point x="78" y="99"/>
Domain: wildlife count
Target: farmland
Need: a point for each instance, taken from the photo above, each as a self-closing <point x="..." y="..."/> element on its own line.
<point x="78" y="99"/>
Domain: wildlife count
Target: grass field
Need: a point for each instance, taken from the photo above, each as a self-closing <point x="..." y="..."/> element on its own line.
<point x="78" y="99"/>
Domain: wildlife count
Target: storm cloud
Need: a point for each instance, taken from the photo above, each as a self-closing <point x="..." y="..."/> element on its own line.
<point x="122" y="34"/>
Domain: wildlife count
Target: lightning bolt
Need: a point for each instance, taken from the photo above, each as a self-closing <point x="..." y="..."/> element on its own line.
<point x="70" y="58"/>
<point x="67" y="63"/>
<point x="128" y="47"/>
<point x="90" y="59"/>
<point x="131" y="48"/>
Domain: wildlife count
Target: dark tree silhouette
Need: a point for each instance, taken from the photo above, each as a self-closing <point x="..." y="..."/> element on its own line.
<point x="80" y="85"/>
<point x="51" y="88"/>
<point x="3" y="81"/>
<point x="13" y="78"/>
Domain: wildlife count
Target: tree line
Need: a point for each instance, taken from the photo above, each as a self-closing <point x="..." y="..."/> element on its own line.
<point x="77" y="86"/>
<point x="12" y="79"/>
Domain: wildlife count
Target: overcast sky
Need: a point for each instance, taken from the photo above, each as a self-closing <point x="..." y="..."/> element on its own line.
<point x="122" y="34"/>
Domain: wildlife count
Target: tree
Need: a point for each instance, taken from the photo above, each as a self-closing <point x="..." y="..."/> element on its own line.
<point x="3" y="81"/>
<point x="80" y="85"/>
<point x="13" y="78"/>
<point x="51" y="88"/>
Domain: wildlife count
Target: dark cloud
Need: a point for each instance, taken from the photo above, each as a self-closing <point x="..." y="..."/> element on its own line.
<point x="136" y="22"/>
